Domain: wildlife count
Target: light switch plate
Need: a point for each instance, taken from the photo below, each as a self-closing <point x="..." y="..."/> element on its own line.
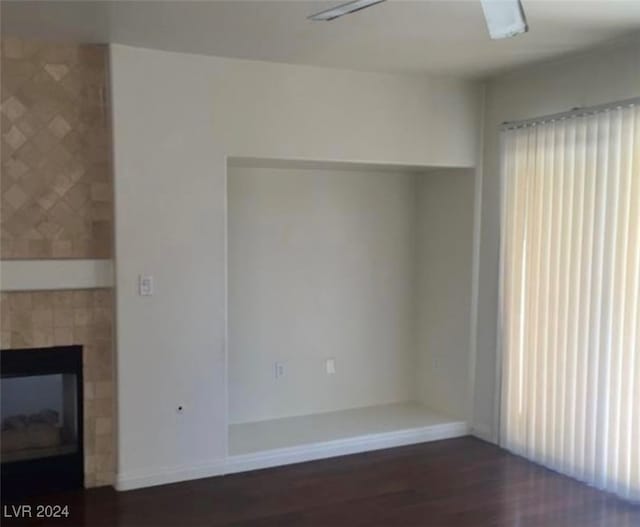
<point x="330" y="366"/>
<point x="145" y="285"/>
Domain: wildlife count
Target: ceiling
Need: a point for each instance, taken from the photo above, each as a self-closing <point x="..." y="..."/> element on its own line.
<point x="409" y="36"/>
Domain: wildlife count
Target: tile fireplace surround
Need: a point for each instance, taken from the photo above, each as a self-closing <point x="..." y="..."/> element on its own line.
<point x="56" y="155"/>
<point x="83" y="317"/>
<point x="56" y="188"/>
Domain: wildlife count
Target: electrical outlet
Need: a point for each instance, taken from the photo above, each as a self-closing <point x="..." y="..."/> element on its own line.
<point x="145" y="285"/>
<point x="278" y="369"/>
<point x="330" y="366"/>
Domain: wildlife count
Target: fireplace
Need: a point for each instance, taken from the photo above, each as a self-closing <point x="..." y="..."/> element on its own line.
<point x="41" y="417"/>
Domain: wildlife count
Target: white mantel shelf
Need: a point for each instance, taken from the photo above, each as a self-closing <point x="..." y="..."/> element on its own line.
<point x="39" y="275"/>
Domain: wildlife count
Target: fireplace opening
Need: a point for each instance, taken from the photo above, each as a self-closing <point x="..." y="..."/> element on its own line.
<point x="41" y="420"/>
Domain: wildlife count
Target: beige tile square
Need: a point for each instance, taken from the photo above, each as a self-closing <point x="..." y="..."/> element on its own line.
<point x="78" y="195"/>
<point x="12" y="48"/>
<point x="102" y="298"/>
<point x="89" y="414"/>
<point x="39" y="249"/>
<point x="56" y="71"/>
<point x="101" y="247"/>
<point x="21" y="339"/>
<point x="61" y="185"/>
<point x="5" y="317"/>
<point x="31" y="156"/>
<point x="20" y="302"/>
<point x="82" y="317"/>
<point x="44" y="140"/>
<point x="82" y="334"/>
<point x="83" y="298"/>
<point x="101" y="192"/>
<point x="63" y="336"/>
<point x="102" y="316"/>
<point x="20" y="247"/>
<point x="59" y="126"/>
<point x="29" y="125"/>
<point x="42" y="300"/>
<point x="63" y="318"/>
<point x="21" y="321"/>
<point x="42" y="318"/>
<point x="104" y="463"/>
<point x="103" y="425"/>
<point x="31" y="48"/>
<point x="48" y="199"/>
<point x="61" y="248"/>
<point x="102" y="212"/>
<point x="89" y="390"/>
<point x="103" y="408"/>
<point x="13" y="108"/>
<point x="90" y="463"/>
<point x="15" y="196"/>
<point x="104" y="478"/>
<point x="6" y="248"/>
<point x="81" y="246"/>
<point x="48" y="229"/>
<point x="100" y="333"/>
<point x="34" y="234"/>
<point x="104" y="389"/>
<point x="90" y="480"/>
<point x="104" y="444"/>
<point x="63" y="299"/>
<point x="14" y="138"/>
<point x="5" y="124"/>
<point x="15" y="168"/>
<point x="43" y="337"/>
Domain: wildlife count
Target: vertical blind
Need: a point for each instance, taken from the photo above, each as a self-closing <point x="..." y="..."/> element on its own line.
<point x="570" y="296"/>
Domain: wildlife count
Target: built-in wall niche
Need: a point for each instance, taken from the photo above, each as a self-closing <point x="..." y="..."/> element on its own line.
<point x="349" y="295"/>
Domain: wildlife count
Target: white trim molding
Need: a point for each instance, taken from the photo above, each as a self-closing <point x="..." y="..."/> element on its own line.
<point x="343" y="447"/>
<point x="149" y="478"/>
<point x="287" y="456"/>
<point x="39" y="275"/>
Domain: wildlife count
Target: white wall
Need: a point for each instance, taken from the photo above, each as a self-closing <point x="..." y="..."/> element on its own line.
<point x="175" y="119"/>
<point x="598" y="77"/>
<point x="444" y="245"/>
<point x="321" y="265"/>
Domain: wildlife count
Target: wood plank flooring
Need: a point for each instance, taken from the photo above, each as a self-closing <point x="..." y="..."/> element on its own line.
<point x="453" y="483"/>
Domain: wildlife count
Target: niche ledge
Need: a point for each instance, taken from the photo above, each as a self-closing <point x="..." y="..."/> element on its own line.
<point x="304" y="438"/>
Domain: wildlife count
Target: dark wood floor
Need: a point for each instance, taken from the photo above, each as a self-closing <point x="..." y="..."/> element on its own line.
<point x="458" y="482"/>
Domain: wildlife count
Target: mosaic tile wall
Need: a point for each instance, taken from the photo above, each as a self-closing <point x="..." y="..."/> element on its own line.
<point x="55" y="177"/>
<point x="58" y="318"/>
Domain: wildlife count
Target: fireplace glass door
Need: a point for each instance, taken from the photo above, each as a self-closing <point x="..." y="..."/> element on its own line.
<point x="41" y="419"/>
<point x="39" y="416"/>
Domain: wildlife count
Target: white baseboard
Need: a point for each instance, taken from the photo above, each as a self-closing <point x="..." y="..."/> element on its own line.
<point x="287" y="456"/>
<point x="151" y="478"/>
<point x="342" y="447"/>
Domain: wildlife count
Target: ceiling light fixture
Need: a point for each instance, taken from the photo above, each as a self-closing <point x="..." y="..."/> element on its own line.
<point x="505" y="18"/>
<point x="344" y="9"/>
